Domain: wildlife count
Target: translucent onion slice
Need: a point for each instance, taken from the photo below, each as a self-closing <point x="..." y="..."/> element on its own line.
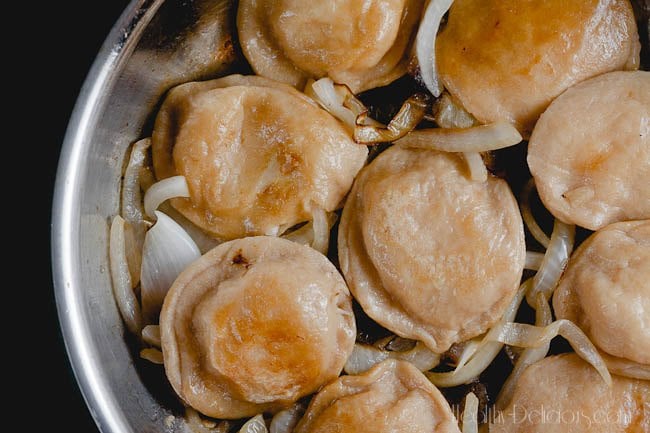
<point x="543" y="317"/>
<point x="194" y="421"/>
<point x="196" y="424"/>
<point x="133" y="242"/>
<point x="121" y="276"/>
<point x="254" y="425"/>
<point x="305" y="235"/>
<point x="482" y="138"/>
<point x="477" y="170"/>
<point x="554" y="261"/>
<point x="395" y="344"/>
<point x="469" y="351"/>
<point x="325" y="93"/>
<point x="151" y="335"/>
<point x="321" y="229"/>
<point x="524" y="335"/>
<point x="533" y="260"/>
<point x="285" y="421"/>
<point x="528" y="217"/>
<point x="137" y="178"/>
<point x="470" y="414"/>
<point x="364" y="357"/>
<point x="160" y="192"/>
<point x="425" y="44"/>
<point x="202" y="240"/>
<point x="409" y="116"/>
<point x="340" y="102"/>
<point x="484" y="355"/>
<point x="154" y="356"/>
<point x="448" y="114"/>
<point x="627" y="368"/>
<point x="168" y="249"/>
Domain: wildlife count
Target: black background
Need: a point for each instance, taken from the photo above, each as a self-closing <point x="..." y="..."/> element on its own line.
<point x="68" y="36"/>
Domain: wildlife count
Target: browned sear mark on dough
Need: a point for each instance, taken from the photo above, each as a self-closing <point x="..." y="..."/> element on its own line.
<point x="239" y="259"/>
<point x="289" y="162"/>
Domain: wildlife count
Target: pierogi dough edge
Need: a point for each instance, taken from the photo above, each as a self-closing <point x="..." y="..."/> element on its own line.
<point x="605" y="290"/>
<point x="361" y="44"/>
<point x="258" y="156"/>
<point x="563" y="393"/>
<point x="506" y="60"/>
<point x="590" y="151"/>
<point x="444" y="290"/>
<point x="393" y="396"/>
<point x="254" y="325"/>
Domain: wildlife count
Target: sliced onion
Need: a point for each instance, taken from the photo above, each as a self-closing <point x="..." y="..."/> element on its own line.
<point x="528" y="217"/>
<point x="137" y="178"/>
<point x="469" y="350"/>
<point x="425" y="43"/>
<point x="285" y="421"/>
<point x="409" y="116"/>
<point x="355" y="105"/>
<point x="524" y="335"/>
<point x="151" y="335"/>
<point x="202" y="240"/>
<point x="321" y="229"/>
<point x="483" y="138"/>
<point x="484" y="355"/>
<point x="364" y="357"/>
<point x="168" y="249"/>
<point x="470" y="414"/>
<point x="533" y="260"/>
<point x="326" y="95"/>
<point x="254" y="425"/>
<point x="154" y="356"/>
<point x="197" y="424"/>
<point x="340" y="102"/>
<point x="448" y="114"/>
<point x="304" y="235"/>
<point x="555" y="260"/>
<point x="395" y="344"/>
<point x="477" y="170"/>
<point x="627" y="368"/>
<point x="160" y="192"/>
<point x="121" y="276"/>
<point x="543" y="314"/>
<point x="194" y="421"/>
<point x="543" y="317"/>
<point x="133" y="242"/>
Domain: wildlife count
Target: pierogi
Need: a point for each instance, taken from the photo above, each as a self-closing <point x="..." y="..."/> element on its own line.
<point x="590" y="151"/>
<point x="506" y="60"/>
<point x="606" y="290"/>
<point x="391" y="397"/>
<point x="564" y="394"/>
<point x="428" y="253"/>
<point x="363" y="44"/>
<point x="258" y="156"/>
<point x="254" y="325"/>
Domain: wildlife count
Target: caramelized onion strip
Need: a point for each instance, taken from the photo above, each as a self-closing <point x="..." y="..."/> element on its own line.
<point x="484" y="355"/>
<point x="482" y="138"/>
<point x="527" y="215"/>
<point x="409" y="116"/>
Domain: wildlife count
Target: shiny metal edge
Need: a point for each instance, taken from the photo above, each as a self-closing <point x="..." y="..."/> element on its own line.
<point x="81" y="349"/>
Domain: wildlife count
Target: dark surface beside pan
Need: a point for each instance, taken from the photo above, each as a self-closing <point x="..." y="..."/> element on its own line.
<point x="71" y="40"/>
